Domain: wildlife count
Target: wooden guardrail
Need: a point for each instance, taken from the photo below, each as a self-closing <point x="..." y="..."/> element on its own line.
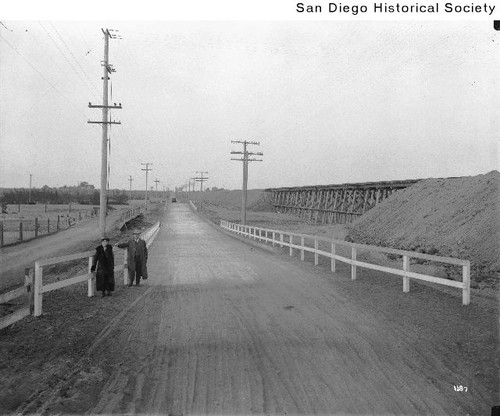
<point x="27" y="292"/>
<point x="39" y="288"/>
<point x="125" y="216"/>
<point x="268" y="235"/>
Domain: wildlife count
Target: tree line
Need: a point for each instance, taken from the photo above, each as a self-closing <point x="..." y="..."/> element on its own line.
<point x="47" y="195"/>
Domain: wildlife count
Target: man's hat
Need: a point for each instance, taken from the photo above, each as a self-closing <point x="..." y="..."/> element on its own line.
<point x="105" y="238"/>
<point x="136" y="232"/>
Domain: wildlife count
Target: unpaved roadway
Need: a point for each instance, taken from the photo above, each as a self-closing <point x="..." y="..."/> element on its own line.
<point x="225" y="328"/>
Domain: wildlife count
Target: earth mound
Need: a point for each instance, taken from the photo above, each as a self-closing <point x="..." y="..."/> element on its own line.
<point x="454" y="217"/>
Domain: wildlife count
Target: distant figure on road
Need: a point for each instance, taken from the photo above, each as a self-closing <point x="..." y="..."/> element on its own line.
<point x="137" y="257"/>
<point x="104" y="261"/>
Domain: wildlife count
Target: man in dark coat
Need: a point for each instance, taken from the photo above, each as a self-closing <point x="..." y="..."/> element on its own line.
<point x="137" y="257"/>
<point x="104" y="261"/>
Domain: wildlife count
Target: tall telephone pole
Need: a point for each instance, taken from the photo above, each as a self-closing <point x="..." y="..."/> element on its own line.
<point x="194" y="183"/>
<point x="31" y="175"/>
<point x="245" y="159"/>
<point x="130" y="180"/>
<point x="201" y="179"/>
<point x="108" y="69"/>
<point x="156" y="181"/>
<point x="147" y="169"/>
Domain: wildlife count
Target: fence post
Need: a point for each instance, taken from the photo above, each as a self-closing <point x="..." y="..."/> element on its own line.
<point x="21" y="231"/>
<point x="466" y="282"/>
<point x="291" y="242"/>
<point x="38" y="295"/>
<point x="333" y="263"/>
<point x="406" y="268"/>
<point x="57" y="226"/>
<point x="1" y="234"/>
<point x="274" y="237"/>
<point x="90" y="282"/>
<point x="281" y="239"/>
<point x="28" y="283"/>
<point x="125" y="267"/>
<point x="302" y="249"/>
<point x="353" y="266"/>
<point x="316" y="256"/>
<point x="48" y="225"/>
<point x="36" y="227"/>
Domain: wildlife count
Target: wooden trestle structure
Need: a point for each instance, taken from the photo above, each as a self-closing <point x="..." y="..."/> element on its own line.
<point x="334" y="203"/>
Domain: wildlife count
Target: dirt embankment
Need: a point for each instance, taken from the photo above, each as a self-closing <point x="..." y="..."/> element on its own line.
<point x="455" y="217"/>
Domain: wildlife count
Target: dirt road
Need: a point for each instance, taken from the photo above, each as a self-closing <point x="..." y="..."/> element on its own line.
<point x="224" y="328"/>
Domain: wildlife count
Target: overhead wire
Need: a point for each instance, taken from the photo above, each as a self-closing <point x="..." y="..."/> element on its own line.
<point x="64" y="56"/>
<point x="52" y="85"/>
<point x="74" y="57"/>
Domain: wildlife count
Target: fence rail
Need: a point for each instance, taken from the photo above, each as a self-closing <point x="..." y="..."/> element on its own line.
<point x="26" y="291"/>
<point x="18" y="230"/>
<point x="39" y="289"/>
<point x="130" y="213"/>
<point x="34" y="287"/>
<point x="270" y="236"/>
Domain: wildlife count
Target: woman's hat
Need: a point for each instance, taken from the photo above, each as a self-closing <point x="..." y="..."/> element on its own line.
<point x="105" y="238"/>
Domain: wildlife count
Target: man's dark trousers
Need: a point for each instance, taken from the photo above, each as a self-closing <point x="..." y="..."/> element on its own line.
<point x="137" y="272"/>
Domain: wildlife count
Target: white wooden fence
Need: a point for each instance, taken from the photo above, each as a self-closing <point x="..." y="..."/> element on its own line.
<point x="292" y="240"/>
<point x="40" y="288"/>
<point x="25" y="292"/>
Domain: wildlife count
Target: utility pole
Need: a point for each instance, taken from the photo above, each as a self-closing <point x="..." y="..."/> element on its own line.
<point x="147" y="169"/>
<point x="194" y="183"/>
<point x="130" y="180"/>
<point x="108" y="69"/>
<point x="29" y="200"/>
<point x="201" y="179"/>
<point x="245" y="159"/>
<point x="156" y="181"/>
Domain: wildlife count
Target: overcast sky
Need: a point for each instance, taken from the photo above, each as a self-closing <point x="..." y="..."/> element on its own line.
<point x="329" y="101"/>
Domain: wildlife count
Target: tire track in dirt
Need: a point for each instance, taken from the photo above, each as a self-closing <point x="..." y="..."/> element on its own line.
<point x="47" y="398"/>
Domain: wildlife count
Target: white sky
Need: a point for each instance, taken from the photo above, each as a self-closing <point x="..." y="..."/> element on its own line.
<point x="329" y="101"/>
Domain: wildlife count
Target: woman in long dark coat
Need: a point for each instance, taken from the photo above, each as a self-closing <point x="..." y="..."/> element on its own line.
<point x="104" y="261"/>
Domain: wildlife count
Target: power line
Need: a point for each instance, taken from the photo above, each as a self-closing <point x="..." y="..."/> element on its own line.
<point x="63" y="55"/>
<point x="74" y="57"/>
<point x="40" y="74"/>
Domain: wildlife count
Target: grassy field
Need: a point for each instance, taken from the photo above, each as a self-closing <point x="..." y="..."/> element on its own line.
<point x="49" y="218"/>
